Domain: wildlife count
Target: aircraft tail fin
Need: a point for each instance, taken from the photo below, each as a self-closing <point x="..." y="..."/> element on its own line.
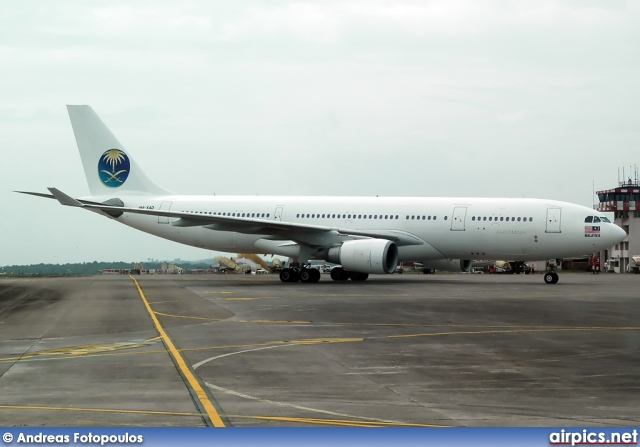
<point x="108" y="167"/>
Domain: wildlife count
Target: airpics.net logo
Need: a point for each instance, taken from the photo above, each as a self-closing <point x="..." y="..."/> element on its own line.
<point x="113" y="168"/>
<point x="593" y="437"/>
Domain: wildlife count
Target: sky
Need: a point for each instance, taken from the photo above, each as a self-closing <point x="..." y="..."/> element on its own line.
<point x="391" y="98"/>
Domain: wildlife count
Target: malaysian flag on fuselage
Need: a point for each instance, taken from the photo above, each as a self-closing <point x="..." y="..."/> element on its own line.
<point x="588" y="229"/>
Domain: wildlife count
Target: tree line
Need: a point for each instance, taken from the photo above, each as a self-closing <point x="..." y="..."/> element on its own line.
<point x="84" y="268"/>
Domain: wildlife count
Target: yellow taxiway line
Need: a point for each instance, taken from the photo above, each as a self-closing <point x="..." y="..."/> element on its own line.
<point x="182" y="365"/>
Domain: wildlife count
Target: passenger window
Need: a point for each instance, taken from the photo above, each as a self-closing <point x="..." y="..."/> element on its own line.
<point x="446" y="217"/>
<point x="473" y="218"/>
<point x="531" y="219"/>
<point x="518" y="219"/>
<point x="484" y="218"/>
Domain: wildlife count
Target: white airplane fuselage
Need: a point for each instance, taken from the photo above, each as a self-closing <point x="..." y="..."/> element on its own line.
<point x="449" y="228"/>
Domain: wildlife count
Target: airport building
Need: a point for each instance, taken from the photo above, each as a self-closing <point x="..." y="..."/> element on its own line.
<point x="624" y="203"/>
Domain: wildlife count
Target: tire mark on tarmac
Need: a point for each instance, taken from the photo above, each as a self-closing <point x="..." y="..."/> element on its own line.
<point x="353" y="421"/>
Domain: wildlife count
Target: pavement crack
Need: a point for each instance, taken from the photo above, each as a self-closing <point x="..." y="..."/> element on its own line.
<point x="21" y="356"/>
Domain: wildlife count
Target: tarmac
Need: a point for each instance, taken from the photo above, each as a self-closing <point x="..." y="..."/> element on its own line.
<point x="442" y="350"/>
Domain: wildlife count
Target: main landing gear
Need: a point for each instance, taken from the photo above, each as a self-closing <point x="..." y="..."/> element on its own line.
<point x="551" y="277"/>
<point x="311" y="275"/>
<point x="307" y="275"/>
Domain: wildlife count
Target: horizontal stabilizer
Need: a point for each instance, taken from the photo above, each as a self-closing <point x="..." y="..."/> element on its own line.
<point x="37" y="194"/>
<point x="64" y="199"/>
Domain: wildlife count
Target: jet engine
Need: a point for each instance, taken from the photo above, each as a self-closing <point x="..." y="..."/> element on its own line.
<point x="449" y="265"/>
<point x="366" y="256"/>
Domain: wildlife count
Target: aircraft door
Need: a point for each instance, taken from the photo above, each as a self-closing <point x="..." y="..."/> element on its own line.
<point x="553" y="220"/>
<point x="164" y="206"/>
<point x="277" y="215"/>
<point x="458" y="218"/>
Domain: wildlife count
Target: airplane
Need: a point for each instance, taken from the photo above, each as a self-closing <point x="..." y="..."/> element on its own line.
<point x="364" y="235"/>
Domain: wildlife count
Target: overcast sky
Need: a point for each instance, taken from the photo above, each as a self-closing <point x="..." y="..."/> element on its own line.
<point x="392" y="98"/>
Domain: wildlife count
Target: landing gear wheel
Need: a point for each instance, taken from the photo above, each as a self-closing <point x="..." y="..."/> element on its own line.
<point x="357" y="276"/>
<point x="315" y="275"/>
<point x="428" y="271"/>
<point x="338" y="274"/>
<point x="289" y="275"/>
<point x="310" y="275"/>
<point x="305" y="275"/>
<point x="551" y="278"/>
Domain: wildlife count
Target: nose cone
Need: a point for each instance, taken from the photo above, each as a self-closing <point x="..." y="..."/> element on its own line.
<point x="615" y="234"/>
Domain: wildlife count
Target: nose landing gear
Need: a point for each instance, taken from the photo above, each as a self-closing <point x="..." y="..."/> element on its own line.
<point x="551" y="277"/>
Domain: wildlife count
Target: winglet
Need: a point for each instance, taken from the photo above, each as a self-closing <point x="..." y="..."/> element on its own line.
<point x="64" y="199"/>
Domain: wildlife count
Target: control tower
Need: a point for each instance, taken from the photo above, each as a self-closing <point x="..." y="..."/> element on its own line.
<point x="624" y="202"/>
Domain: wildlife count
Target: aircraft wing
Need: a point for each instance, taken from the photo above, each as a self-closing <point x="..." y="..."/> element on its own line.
<point x="273" y="229"/>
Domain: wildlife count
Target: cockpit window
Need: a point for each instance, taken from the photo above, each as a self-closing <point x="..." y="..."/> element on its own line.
<point x="596" y="219"/>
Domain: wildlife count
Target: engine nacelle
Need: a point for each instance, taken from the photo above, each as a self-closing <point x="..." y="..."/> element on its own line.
<point x="366" y="256"/>
<point x="449" y="265"/>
